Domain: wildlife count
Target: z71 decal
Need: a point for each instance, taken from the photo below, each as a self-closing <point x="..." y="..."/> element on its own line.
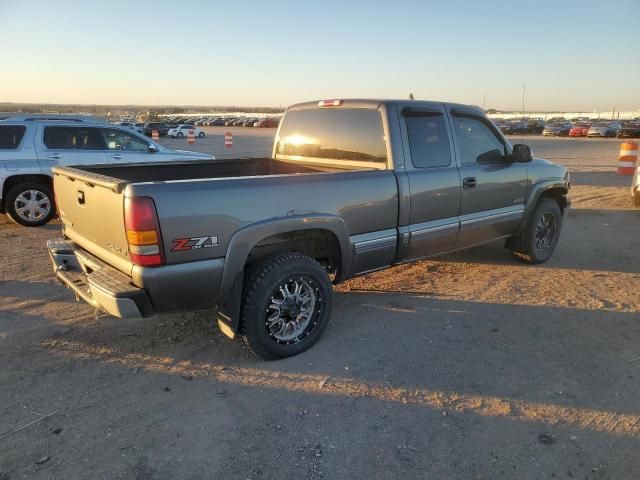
<point x="183" y="244"/>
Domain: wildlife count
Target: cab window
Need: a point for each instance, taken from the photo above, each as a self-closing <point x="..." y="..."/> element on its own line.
<point x="428" y="140"/>
<point x="477" y="143"/>
<point x="116" y="139"/>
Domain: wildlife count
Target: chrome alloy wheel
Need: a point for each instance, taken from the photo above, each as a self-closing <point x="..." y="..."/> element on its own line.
<point x="32" y="205"/>
<point x="546" y="232"/>
<point x="293" y="310"/>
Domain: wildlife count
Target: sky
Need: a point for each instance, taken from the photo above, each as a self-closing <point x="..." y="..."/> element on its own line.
<point x="572" y="55"/>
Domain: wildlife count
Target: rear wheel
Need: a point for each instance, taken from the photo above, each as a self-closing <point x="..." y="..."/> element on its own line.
<point x="180" y="135"/>
<point x="30" y="204"/>
<point x="286" y="305"/>
<point x="537" y="242"/>
<point x="201" y="135"/>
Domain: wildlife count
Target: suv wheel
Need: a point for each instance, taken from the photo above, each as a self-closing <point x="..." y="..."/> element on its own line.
<point x="180" y="135"/>
<point x="201" y="135"/>
<point x="538" y="241"/>
<point x="30" y="204"/>
<point x="286" y="305"/>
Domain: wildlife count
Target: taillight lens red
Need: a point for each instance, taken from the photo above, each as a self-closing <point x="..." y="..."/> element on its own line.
<point x="143" y="232"/>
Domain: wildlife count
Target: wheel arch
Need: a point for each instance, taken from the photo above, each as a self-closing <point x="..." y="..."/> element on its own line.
<point x="15" y="180"/>
<point x="550" y="188"/>
<point x="281" y="234"/>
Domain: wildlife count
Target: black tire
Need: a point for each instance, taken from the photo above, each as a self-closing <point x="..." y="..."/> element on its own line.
<point x="201" y="135"/>
<point x="264" y="281"/>
<point x="180" y="135"/>
<point x="27" y="190"/>
<point x="536" y="243"/>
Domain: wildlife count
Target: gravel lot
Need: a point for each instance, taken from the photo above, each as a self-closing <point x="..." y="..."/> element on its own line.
<point x="470" y="366"/>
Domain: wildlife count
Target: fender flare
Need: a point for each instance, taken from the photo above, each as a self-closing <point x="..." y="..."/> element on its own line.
<point x="536" y="192"/>
<point x="243" y="241"/>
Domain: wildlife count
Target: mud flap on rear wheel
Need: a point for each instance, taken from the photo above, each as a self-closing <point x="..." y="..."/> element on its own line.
<point x="229" y="312"/>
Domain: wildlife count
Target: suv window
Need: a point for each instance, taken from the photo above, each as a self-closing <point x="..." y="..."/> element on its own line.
<point x="116" y="139"/>
<point x="349" y="134"/>
<point x="11" y="136"/>
<point x="476" y="141"/>
<point x="72" y="138"/>
<point x="428" y="140"/>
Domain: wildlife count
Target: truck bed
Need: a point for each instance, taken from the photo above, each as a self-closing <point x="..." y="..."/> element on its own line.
<point x="237" y="167"/>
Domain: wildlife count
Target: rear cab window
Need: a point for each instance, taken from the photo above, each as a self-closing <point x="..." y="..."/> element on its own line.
<point x="351" y="137"/>
<point x="11" y="136"/>
<point x="428" y="139"/>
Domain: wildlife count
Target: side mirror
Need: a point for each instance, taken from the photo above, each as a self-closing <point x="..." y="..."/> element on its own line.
<point x="521" y="153"/>
<point x="152" y="148"/>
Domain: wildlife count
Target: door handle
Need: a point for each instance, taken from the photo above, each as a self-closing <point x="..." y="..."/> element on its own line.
<point x="116" y="156"/>
<point x="55" y="156"/>
<point x="469" y="182"/>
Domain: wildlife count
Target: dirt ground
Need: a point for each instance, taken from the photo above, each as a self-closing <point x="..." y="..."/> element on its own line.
<point x="470" y="366"/>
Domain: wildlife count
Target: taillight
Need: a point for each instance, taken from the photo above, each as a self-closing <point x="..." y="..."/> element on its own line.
<point x="329" y="103"/>
<point x="143" y="232"/>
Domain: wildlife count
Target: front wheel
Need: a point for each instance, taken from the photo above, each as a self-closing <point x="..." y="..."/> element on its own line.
<point x="201" y="135"/>
<point x="537" y="242"/>
<point x="286" y="305"/>
<point x="180" y="135"/>
<point x="30" y="204"/>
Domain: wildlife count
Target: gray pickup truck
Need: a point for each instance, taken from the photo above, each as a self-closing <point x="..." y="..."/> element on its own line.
<point x="352" y="186"/>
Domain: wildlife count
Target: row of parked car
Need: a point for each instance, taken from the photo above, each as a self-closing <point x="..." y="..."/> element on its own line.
<point x="179" y="126"/>
<point x="575" y="127"/>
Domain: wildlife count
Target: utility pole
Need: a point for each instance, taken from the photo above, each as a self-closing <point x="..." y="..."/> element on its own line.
<point x="484" y="101"/>
<point x="524" y="91"/>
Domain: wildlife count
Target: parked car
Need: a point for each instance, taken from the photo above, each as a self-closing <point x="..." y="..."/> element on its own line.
<point x="239" y="122"/>
<point x="604" y="129"/>
<point x="266" y="123"/>
<point x="558" y="129"/>
<point x="524" y="127"/>
<point x="218" y="122"/>
<point x="187" y="237"/>
<point x="32" y="144"/>
<point x="629" y="129"/>
<point x="230" y="121"/>
<point x="136" y="127"/>
<point x="183" y="130"/>
<point x="579" y="129"/>
<point x="162" y="128"/>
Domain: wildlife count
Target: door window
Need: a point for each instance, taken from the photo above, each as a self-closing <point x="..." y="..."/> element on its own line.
<point x="428" y="141"/>
<point x="120" y="140"/>
<point x="477" y="143"/>
<point x="72" y="138"/>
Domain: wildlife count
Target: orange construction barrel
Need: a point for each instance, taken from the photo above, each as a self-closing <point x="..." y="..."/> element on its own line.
<point x="628" y="158"/>
<point x="191" y="137"/>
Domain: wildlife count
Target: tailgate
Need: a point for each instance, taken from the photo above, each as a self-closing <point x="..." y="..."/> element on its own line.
<point x="91" y="208"/>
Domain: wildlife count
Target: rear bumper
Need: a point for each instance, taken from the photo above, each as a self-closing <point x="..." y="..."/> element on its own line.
<point x="101" y="286"/>
<point x="148" y="290"/>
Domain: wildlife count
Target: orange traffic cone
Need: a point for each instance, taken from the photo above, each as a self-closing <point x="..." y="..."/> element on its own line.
<point x="155" y="135"/>
<point x="191" y="137"/>
<point x="228" y="140"/>
<point x="628" y="158"/>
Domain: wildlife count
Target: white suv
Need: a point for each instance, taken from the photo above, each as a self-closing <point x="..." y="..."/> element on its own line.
<point x="31" y="144"/>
